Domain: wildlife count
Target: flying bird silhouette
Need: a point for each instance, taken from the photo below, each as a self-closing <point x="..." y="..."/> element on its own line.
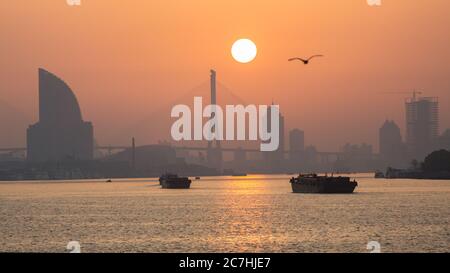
<point x="303" y="60"/>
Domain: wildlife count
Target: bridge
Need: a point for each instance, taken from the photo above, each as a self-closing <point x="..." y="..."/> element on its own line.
<point x="178" y="148"/>
<point x="325" y="156"/>
<point x="12" y="150"/>
<point x="213" y="152"/>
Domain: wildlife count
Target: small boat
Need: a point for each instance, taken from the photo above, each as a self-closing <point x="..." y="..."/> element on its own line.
<point x="379" y="174"/>
<point x="313" y="183"/>
<point x="173" y="181"/>
<point x="109" y="181"/>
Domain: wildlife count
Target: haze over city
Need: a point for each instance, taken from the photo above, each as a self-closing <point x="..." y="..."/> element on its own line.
<point x="227" y="127"/>
<point x="125" y="60"/>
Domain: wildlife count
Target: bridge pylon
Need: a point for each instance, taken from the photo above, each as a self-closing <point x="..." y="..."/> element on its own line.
<point x="214" y="151"/>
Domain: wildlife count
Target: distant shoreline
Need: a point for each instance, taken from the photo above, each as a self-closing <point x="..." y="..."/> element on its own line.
<point x="279" y="176"/>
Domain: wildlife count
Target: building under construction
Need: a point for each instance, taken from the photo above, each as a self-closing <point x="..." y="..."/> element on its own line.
<point x="422" y="125"/>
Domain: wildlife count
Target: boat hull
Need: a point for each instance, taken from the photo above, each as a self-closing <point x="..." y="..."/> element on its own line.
<point x="322" y="184"/>
<point x="176" y="184"/>
<point x="326" y="187"/>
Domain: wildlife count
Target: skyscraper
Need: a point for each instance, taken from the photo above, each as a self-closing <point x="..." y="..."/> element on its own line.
<point x="391" y="145"/>
<point x="296" y="144"/>
<point x="422" y="125"/>
<point x="296" y="140"/>
<point x="61" y="132"/>
<point x="281" y="148"/>
<point x="444" y="140"/>
<point x="275" y="157"/>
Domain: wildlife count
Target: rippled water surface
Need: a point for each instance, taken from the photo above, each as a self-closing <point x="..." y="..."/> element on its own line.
<point x="224" y="214"/>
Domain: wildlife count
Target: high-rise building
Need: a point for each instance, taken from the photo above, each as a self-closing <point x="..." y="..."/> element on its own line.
<point x="296" y="144"/>
<point x="282" y="147"/>
<point x="355" y="158"/>
<point x="392" y="150"/>
<point x="422" y="125"/>
<point x="61" y="132"/>
<point x="276" y="157"/>
<point x="444" y="140"/>
<point x="296" y="140"/>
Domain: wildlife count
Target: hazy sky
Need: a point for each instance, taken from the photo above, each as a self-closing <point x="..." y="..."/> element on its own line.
<point x="124" y="59"/>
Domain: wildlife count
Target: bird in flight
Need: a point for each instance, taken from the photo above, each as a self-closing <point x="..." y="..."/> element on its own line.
<point x="305" y="61"/>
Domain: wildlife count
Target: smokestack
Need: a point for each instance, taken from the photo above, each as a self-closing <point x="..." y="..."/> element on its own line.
<point x="214" y="155"/>
<point x="213" y="87"/>
<point x="133" y="154"/>
<point x="213" y="97"/>
<point x="213" y="101"/>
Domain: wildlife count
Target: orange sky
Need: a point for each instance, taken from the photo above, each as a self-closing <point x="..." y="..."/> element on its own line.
<point x="124" y="59"/>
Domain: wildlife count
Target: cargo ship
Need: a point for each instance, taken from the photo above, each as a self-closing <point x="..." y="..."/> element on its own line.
<point x="173" y="181"/>
<point x="313" y="183"/>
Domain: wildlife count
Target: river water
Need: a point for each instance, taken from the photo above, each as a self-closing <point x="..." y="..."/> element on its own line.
<point x="257" y="213"/>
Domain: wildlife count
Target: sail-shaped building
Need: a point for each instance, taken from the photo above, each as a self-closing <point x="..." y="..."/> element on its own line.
<point x="61" y="132"/>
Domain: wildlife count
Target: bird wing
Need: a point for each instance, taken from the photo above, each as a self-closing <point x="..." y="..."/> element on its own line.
<point x="296" y="59"/>
<point x="313" y="56"/>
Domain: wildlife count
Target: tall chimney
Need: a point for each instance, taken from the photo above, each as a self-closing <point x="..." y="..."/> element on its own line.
<point x="213" y="87"/>
<point x="213" y="99"/>
<point x="133" y="154"/>
<point x="214" y="155"/>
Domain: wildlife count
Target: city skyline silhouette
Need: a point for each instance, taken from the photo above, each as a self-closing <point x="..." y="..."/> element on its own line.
<point x="247" y="130"/>
<point x="120" y="81"/>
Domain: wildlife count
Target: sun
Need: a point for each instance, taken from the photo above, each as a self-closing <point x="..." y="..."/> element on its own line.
<point x="244" y="50"/>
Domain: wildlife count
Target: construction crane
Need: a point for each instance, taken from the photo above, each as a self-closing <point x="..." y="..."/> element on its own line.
<point x="414" y="93"/>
